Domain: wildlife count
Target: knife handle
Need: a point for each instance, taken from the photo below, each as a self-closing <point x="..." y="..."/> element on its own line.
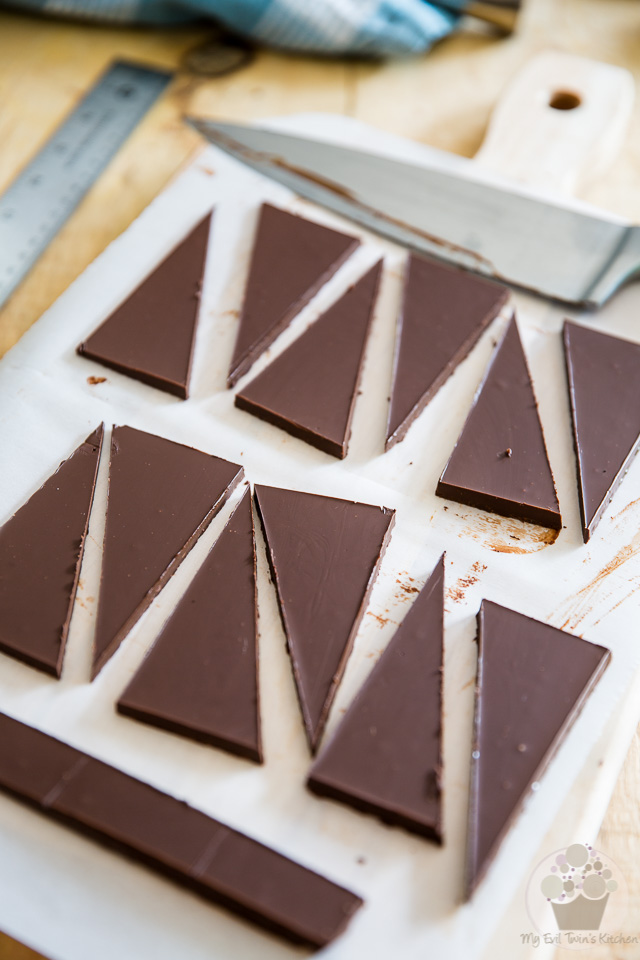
<point x="560" y="123"/>
<point x="502" y="15"/>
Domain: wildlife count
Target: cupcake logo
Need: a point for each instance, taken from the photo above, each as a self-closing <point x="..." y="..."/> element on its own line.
<point x="577" y="897"/>
<point x="578" y="887"/>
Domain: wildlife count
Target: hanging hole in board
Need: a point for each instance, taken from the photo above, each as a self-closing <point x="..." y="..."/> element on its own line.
<point x="564" y="100"/>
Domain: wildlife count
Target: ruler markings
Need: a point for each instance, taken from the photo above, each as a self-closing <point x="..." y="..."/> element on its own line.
<point x="42" y="197"/>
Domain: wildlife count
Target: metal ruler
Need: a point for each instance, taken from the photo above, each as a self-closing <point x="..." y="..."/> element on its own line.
<point x="43" y="196"/>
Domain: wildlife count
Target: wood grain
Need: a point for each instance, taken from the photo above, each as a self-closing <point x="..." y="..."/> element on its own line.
<point x="443" y="99"/>
<point x="560" y="149"/>
<point x="12" y="950"/>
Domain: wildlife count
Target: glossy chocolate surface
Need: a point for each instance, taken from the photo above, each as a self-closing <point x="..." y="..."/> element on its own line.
<point x="324" y="556"/>
<point x="444" y="311"/>
<point x="169" y="836"/>
<point x="310" y="389"/>
<point x="604" y="388"/>
<point x="162" y="496"/>
<point x="200" y="677"/>
<point x="500" y="461"/>
<point x="292" y="258"/>
<point x="532" y="682"/>
<point x="150" y="336"/>
<point x="385" y="757"/>
<point x="41" y="549"/>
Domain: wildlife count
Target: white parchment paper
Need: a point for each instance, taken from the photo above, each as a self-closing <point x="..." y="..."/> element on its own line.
<point x="71" y="899"/>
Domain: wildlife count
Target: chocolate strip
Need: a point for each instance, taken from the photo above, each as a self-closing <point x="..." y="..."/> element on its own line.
<point x="292" y="258"/>
<point x="150" y="336"/>
<point x="162" y="497"/>
<point x="532" y="682"/>
<point x="176" y="840"/>
<point x="310" y="389"/>
<point x="444" y="312"/>
<point x="385" y="757"/>
<point x="200" y="678"/>
<point x="324" y="556"/>
<point x="41" y="549"/>
<point x="500" y="461"/>
<point x="604" y="387"/>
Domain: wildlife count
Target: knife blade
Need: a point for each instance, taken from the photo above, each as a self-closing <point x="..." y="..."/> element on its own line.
<point x="560" y="253"/>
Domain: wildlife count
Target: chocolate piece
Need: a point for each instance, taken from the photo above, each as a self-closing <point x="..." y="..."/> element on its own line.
<point x="292" y="258"/>
<point x="532" y="683"/>
<point x="443" y="313"/>
<point x="604" y="387"/>
<point x="500" y="461"/>
<point x="324" y="556"/>
<point x="150" y="336"/>
<point x="385" y="757"/>
<point x="41" y="550"/>
<point x="33" y="766"/>
<point x="162" y="497"/>
<point x="200" y="678"/>
<point x="310" y="389"/>
<point x="198" y="852"/>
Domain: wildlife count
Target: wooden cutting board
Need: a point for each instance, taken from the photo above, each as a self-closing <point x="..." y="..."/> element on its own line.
<point x="443" y="99"/>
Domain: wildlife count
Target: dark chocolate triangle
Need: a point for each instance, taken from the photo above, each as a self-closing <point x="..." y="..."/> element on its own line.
<point x="41" y="550"/>
<point x="324" y="556"/>
<point x="292" y="258"/>
<point x="443" y="313"/>
<point x="310" y="389"/>
<point x="162" y="497"/>
<point x="200" y="677"/>
<point x="150" y="336"/>
<point x="385" y="757"/>
<point x="532" y="682"/>
<point x="500" y="460"/>
<point x="604" y="387"/>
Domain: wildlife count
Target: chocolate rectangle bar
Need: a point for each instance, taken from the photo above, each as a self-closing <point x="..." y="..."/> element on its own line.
<point x="201" y="853"/>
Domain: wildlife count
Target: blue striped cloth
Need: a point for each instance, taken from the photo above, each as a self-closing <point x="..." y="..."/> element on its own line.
<point x="363" y="27"/>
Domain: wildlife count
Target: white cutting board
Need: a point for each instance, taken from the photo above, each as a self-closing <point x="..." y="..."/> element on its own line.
<point x="71" y="899"/>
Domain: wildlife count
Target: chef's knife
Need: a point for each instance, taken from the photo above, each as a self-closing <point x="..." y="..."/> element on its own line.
<point x="561" y="253"/>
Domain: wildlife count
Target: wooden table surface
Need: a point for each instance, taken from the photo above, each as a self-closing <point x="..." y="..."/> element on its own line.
<point x="443" y="99"/>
